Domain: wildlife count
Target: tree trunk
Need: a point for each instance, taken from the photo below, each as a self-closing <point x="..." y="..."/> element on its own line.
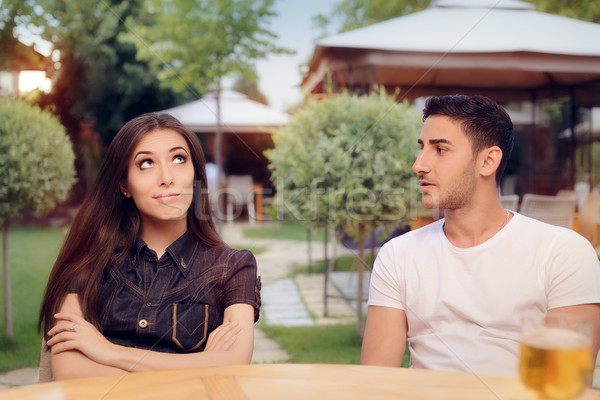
<point x="360" y="268"/>
<point x="219" y="157"/>
<point x="8" y="325"/>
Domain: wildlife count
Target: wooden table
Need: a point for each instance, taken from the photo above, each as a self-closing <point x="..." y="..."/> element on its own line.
<point x="283" y="381"/>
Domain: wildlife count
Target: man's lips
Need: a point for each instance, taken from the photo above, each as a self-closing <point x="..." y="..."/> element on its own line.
<point x="425" y="184"/>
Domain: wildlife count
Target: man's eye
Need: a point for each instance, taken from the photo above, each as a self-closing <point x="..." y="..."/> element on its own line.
<point x="146" y="164"/>
<point x="441" y="149"/>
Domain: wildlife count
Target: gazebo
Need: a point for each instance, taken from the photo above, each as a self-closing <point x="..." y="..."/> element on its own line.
<point x="246" y="125"/>
<point x="500" y="48"/>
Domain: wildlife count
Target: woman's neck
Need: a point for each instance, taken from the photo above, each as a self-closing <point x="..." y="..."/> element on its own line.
<point x="159" y="235"/>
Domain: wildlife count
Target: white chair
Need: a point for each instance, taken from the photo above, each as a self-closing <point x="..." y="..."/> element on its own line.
<point x="588" y="218"/>
<point x="45" y="372"/>
<point x="556" y="210"/>
<point x="582" y="190"/>
<point x="240" y="192"/>
<point x="510" y="201"/>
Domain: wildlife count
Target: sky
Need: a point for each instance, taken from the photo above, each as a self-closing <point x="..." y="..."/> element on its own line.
<point x="279" y="76"/>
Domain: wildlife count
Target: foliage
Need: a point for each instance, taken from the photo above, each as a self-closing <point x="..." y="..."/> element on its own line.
<point x="22" y="57"/>
<point x="346" y="161"/>
<point x="353" y="14"/>
<point x="249" y="87"/>
<point x="29" y="276"/>
<point x="36" y="160"/>
<point x="586" y="10"/>
<point x="192" y="43"/>
<point x="96" y="78"/>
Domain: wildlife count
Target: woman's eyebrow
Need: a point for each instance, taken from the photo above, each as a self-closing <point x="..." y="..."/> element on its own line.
<point x="176" y="148"/>
<point x="142" y="153"/>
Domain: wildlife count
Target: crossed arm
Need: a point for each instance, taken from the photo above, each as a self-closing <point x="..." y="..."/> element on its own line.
<point x="87" y="352"/>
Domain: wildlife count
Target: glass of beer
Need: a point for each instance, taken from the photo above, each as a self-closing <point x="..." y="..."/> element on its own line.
<point x="556" y="356"/>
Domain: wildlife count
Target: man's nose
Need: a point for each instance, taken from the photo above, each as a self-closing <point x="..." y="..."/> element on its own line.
<point x="420" y="165"/>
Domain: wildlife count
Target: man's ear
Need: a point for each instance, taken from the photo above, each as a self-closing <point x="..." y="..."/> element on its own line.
<point x="490" y="160"/>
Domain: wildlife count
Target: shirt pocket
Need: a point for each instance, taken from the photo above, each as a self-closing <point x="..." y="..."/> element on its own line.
<point x="190" y="326"/>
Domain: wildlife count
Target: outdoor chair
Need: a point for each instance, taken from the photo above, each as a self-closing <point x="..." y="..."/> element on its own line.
<point x="240" y="193"/>
<point x="45" y="373"/>
<point x="588" y="218"/>
<point x="555" y="210"/>
<point x="510" y="201"/>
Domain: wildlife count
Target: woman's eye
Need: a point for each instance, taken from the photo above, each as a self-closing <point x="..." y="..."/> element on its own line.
<point x="179" y="159"/>
<point x="146" y="164"/>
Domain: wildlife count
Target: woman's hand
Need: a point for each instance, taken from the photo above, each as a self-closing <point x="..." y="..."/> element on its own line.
<point x="72" y="332"/>
<point x="222" y="338"/>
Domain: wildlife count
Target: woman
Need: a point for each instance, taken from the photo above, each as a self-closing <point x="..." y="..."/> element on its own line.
<point x="143" y="280"/>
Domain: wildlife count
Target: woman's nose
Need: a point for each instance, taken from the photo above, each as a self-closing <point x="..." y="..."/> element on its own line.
<point x="166" y="175"/>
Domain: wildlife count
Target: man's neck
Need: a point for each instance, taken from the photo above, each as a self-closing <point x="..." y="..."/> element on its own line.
<point x="472" y="226"/>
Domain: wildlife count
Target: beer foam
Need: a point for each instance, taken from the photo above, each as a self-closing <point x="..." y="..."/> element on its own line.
<point x="556" y="338"/>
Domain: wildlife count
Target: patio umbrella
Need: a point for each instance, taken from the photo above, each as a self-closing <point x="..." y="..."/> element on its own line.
<point x="500" y="48"/>
<point x="239" y="114"/>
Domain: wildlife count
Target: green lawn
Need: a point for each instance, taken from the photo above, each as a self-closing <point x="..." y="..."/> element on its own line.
<point x="254" y="249"/>
<point x="331" y="344"/>
<point x="328" y="344"/>
<point x="288" y="230"/>
<point x="32" y="252"/>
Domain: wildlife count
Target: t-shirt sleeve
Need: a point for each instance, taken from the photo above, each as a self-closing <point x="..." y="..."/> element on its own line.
<point x="386" y="288"/>
<point x="574" y="274"/>
<point x="242" y="285"/>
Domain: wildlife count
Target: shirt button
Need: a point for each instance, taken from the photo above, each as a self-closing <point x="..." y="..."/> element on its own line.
<point x="148" y="303"/>
<point x="143" y="323"/>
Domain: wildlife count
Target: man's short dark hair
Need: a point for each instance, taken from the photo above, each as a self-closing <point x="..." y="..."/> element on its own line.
<point x="485" y="123"/>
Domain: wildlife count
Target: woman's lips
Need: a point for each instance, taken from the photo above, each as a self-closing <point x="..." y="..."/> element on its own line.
<point x="167" y="196"/>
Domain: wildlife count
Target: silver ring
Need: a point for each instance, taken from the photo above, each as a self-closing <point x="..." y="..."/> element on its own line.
<point x="73" y="328"/>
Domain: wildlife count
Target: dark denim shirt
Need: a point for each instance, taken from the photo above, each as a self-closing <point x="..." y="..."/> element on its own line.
<point x="173" y="303"/>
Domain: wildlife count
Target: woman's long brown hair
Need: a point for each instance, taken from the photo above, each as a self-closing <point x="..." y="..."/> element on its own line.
<point x="106" y="225"/>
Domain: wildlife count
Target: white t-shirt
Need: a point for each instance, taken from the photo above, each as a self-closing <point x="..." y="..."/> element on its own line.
<point x="464" y="306"/>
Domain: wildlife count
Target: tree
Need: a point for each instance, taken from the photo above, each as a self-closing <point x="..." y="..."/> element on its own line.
<point x="98" y="84"/>
<point x="249" y="87"/>
<point x="346" y="162"/>
<point x="193" y="44"/>
<point x="353" y="14"/>
<point x="97" y="78"/>
<point x="36" y="171"/>
<point x="585" y="10"/>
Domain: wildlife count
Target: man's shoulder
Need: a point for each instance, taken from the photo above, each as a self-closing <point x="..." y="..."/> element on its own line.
<point x="416" y="236"/>
<point x="530" y="224"/>
<point x="554" y="237"/>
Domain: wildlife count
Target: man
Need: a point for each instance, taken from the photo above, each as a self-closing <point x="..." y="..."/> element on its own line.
<point x="459" y="289"/>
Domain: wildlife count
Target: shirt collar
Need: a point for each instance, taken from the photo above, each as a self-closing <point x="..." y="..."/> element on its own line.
<point x="181" y="251"/>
